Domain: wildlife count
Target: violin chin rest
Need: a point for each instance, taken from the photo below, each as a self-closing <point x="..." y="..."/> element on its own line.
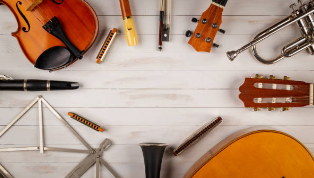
<point x="54" y="58"/>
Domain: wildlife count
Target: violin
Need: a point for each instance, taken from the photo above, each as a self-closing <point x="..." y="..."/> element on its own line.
<point x="53" y="34"/>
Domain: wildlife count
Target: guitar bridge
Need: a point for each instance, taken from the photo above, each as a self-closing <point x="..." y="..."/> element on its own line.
<point x="54" y="27"/>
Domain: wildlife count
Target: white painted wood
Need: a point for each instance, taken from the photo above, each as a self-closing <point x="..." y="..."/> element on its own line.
<point x="141" y="95"/>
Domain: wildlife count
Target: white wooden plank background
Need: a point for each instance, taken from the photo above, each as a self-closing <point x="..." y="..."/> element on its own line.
<point x="142" y="95"/>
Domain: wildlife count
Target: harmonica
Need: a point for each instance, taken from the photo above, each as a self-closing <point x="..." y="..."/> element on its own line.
<point x="86" y="122"/>
<point x="106" y="46"/>
<point x="197" y="136"/>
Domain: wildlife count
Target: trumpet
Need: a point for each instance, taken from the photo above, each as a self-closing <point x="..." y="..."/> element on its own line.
<point x="304" y="18"/>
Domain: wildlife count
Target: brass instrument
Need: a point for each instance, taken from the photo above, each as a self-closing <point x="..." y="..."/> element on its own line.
<point x="304" y="17"/>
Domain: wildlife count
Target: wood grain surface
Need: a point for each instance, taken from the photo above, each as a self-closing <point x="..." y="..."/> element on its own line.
<point x="142" y="95"/>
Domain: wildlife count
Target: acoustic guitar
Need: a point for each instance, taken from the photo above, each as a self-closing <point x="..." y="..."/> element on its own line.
<point x="255" y="154"/>
<point x="271" y="93"/>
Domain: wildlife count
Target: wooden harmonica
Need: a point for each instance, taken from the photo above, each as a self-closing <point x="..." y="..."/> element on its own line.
<point x="197" y="136"/>
<point x="86" y="122"/>
<point x="106" y="46"/>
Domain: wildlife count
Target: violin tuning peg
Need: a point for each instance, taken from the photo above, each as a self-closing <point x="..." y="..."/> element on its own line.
<point x="272" y="77"/>
<point x="257" y="109"/>
<point x="188" y="33"/>
<point x="286" y="78"/>
<point x="271" y="109"/>
<point x="222" y="31"/>
<point x="257" y="76"/>
<point x="285" y="109"/>
<point x="195" y="20"/>
<point x="216" y="45"/>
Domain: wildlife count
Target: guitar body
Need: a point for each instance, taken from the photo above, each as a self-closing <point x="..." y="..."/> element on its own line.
<point x="77" y="18"/>
<point x="258" y="154"/>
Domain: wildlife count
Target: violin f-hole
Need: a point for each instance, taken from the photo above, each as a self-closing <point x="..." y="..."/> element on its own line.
<point x="24" y="28"/>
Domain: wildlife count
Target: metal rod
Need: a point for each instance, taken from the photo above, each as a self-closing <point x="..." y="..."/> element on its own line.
<point x="41" y="131"/>
<point x="109" y="168"/>
<point x="19" y="116"/>
<point x="66" y="124"/>
<point x="97" y="168"/>
<point x="34" y="148"/>
<point x="66" y="150"/>
<point x="5" y="172"/>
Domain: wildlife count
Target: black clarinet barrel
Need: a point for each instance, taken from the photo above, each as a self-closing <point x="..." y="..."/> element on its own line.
<point x="153" y="154"/>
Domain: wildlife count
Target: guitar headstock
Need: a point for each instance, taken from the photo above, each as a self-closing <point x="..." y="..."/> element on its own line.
<point x="272" y="93"/>
<point x="203" y="37"/>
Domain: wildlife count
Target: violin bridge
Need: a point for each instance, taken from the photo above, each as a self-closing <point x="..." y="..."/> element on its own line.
<point x="34" y="4"/>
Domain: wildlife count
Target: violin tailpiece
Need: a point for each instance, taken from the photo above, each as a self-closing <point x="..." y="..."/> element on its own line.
<point x="54" y="27"/>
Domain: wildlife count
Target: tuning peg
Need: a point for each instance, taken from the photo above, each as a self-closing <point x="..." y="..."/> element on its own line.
<point x="272" y="77"/>
<point x="222" y="31"/>
<point x="258" y="76"/>
<point x="271" y="109"/>
<point x="286" y="78"/>
<point x="195" y="20"/>
<point x="188" y="33"/>
<point x="215" y="45"/>
<point x="257" y="109"/>
<point x="283" y="109"/>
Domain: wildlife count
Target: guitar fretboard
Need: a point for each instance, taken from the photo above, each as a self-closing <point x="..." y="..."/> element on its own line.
<point x="221" y="2"/>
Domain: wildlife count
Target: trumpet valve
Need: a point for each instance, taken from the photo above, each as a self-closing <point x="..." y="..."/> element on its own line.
<point x="232" y="55"/>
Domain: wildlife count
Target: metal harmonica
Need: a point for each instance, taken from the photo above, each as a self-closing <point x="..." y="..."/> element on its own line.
<point x="197" y="135"/>
<point x="106" y="46"/>
<point x="86" y="122"/>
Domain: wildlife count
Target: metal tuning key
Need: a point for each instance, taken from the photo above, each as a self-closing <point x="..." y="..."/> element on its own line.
<point x="106" y="46"/>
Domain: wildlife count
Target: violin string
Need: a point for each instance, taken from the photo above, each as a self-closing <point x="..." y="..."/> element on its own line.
<point x="34" y="14"/>
<point x="42" y="13"/>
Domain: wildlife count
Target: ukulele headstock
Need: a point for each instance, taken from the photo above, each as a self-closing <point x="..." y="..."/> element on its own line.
<point x="203" y="37"/>
<point x="272" y="93"/>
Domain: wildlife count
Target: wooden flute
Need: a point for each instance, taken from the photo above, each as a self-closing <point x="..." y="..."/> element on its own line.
<point x="129" y="28"/>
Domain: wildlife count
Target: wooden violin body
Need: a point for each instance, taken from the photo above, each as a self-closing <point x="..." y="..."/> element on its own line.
<point x="78" y="21"/>
<point x="255" y="153"/>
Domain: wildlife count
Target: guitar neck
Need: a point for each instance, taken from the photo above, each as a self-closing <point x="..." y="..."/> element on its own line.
<point x="220" y="3"/>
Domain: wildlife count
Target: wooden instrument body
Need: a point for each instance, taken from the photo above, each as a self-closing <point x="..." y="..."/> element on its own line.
<point x="258" y="154"/>
<point x="77" y="18"/>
